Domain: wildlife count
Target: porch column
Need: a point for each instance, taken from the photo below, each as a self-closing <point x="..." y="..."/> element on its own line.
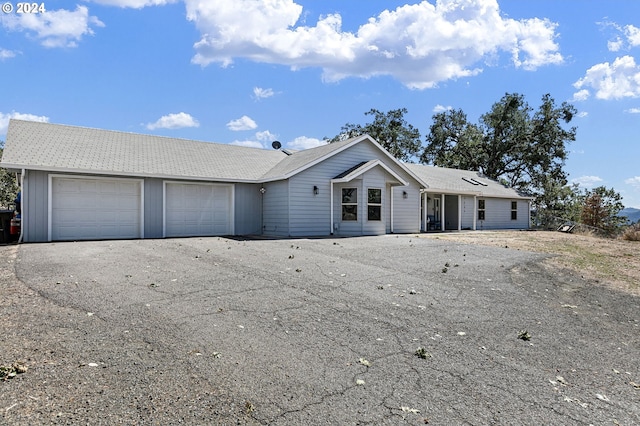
<point x="424" y="212"/>
<point x="443" y="219"/>
<point x="331" y="206"/>
<point x="459" y="212"/>
<point x="391" y="214"/>
<point x="475" y="211"/>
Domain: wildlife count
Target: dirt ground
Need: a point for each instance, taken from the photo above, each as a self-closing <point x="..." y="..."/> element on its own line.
<point x="611" y="262"/>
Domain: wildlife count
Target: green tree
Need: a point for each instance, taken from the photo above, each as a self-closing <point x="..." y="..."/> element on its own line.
<point x="513" y="144"/>
<point x="601" y="208"/>
<point x="8" y="186"/>
<point x="390" y="130"/>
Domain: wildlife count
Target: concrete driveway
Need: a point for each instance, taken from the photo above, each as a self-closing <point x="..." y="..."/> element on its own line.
<point x="372" y="330"/>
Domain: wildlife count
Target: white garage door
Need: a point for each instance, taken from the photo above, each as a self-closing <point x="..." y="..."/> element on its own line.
<point x="95" y="209"/>
<point x="198" y="210"/>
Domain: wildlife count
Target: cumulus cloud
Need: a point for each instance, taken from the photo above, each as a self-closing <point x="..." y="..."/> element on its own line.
<point x="134" y="4"/>
<point x="442" y="108"/>
<point x="6" y="54"/>
<point x="633" y="181"/>
<point x="266" y="136"/>
<point x="633" y="111"/>
<point x="260" y="93"/>
<point x="4" y="119"/>
<point x="587" y="181"/>
<point x="303" y="142"/>
<point x="174" y="121"/>
<point x="57" y="28"/>
<point x="620" y="79"/>
<point x="242" y="123"/>
<point x="419" y="44"/>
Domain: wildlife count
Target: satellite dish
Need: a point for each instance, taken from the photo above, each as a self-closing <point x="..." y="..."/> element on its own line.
<point x="276" y="145"/>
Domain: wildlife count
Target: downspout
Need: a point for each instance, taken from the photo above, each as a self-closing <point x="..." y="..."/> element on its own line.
<point x="22" y="204"/>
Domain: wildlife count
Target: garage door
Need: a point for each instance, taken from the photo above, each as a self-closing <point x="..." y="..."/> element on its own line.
<point x="198" y="210"/>
<point x="95" y="209"/>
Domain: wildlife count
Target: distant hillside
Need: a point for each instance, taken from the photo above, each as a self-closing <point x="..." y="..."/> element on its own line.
<point x="633" y="215"/>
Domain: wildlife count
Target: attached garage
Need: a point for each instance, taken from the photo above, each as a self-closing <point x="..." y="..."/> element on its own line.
<point x="94" y="208"/>
<point x="197" y="209"/>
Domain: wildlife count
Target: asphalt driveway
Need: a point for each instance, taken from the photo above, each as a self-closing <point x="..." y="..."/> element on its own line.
<point x="372" y="330"/>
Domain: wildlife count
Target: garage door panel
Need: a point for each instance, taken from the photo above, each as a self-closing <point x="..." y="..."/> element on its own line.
<point x="102" y="208"/>
<point x="197" y="210"/>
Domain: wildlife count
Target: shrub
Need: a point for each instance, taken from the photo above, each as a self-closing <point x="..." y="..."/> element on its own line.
<point x="632" y="233"/>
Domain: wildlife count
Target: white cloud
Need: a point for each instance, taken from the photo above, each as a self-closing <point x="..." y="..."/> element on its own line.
<point x="581" y="95"/>
<point x="633" y="111"/>
<point x="57" y="28"/>
<point x="242" y="123"/>
<point x="419" y="44"/>
<point x="618" y="80"/>
<point x="582" y="114"/>
<point x="261" y="93"/>
<point x="303" y="142"/>
<point x="248" y="144"/>
<point x="134" y="4"/>
<point x="266" y="136"/>
<point x="174" y="121"/>
<point x="4" y="119"/>
<point x="615" y="45"/>
<point x="587" y="181"/>
<point x="633" y="35"/>
<point x="6" y="54"/>
<point x="634" y="181"/>
<point x="442" y="108"/>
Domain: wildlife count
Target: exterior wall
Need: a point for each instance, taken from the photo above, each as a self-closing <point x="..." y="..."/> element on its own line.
<point x="310" y="215"/>
<point x="467" y="212"/>
<point x="406" y="211"/>
<point x="153" y="208"/>
<point x="451" y="212"/>
<point x="35" y="207"/>
<point x="498" y="214"/>
<point x="248" y="209"/>
<point x="275" y="209"/>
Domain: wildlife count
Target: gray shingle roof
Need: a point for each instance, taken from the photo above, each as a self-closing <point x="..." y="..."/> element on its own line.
<point x="441" y="179"/>
<point x="68" y="148"/>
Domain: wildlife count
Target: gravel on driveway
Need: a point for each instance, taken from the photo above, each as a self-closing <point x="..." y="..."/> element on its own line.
<point x="381" y="330"/>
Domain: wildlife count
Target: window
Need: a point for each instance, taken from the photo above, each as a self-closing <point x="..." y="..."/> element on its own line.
<point x="480" y="209"/>
<point x="350" y="204"/>
<point x="374" y="204"/>
<point x="514" y="210"/>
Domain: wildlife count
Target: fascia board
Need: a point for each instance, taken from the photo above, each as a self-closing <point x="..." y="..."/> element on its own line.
<point x="124" y="174"/>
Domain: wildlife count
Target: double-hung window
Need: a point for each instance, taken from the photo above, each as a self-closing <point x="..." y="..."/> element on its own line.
<point x="514" y="210"/>
<point x="374" y="204"/>
<point x="350" y="204"/>
<point x="480" y="209"/>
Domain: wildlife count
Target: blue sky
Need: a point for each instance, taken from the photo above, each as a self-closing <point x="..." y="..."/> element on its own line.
<point x="249" y="72"/>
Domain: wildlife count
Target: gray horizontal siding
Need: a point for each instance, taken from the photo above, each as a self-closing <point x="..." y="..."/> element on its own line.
<point x="275" y="209"/>
<point x="248" y="209"/>
<point x="498" y="214"/>
<point x="35" y="202"/>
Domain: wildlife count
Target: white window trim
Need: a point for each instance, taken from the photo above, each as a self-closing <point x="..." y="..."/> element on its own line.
<point x="349" y="204"/>
<point x="380" y="204"/>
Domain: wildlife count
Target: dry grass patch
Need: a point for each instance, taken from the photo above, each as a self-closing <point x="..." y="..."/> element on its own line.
<point x="615" y="262"/>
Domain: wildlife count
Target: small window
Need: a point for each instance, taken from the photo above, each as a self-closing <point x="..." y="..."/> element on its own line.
<point x="480" y="209"/>
<point x="350" y="204"/>
<point x="514" y="210"/>
<point x="374" y="204"/>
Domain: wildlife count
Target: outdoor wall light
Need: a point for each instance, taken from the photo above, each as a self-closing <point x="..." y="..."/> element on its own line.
<point x="404" y="194"/>
<point x="316" y="191"/>
<point x="263" y="190"/>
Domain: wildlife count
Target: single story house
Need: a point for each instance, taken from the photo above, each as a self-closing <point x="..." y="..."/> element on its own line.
<point x="87" y="184"/>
